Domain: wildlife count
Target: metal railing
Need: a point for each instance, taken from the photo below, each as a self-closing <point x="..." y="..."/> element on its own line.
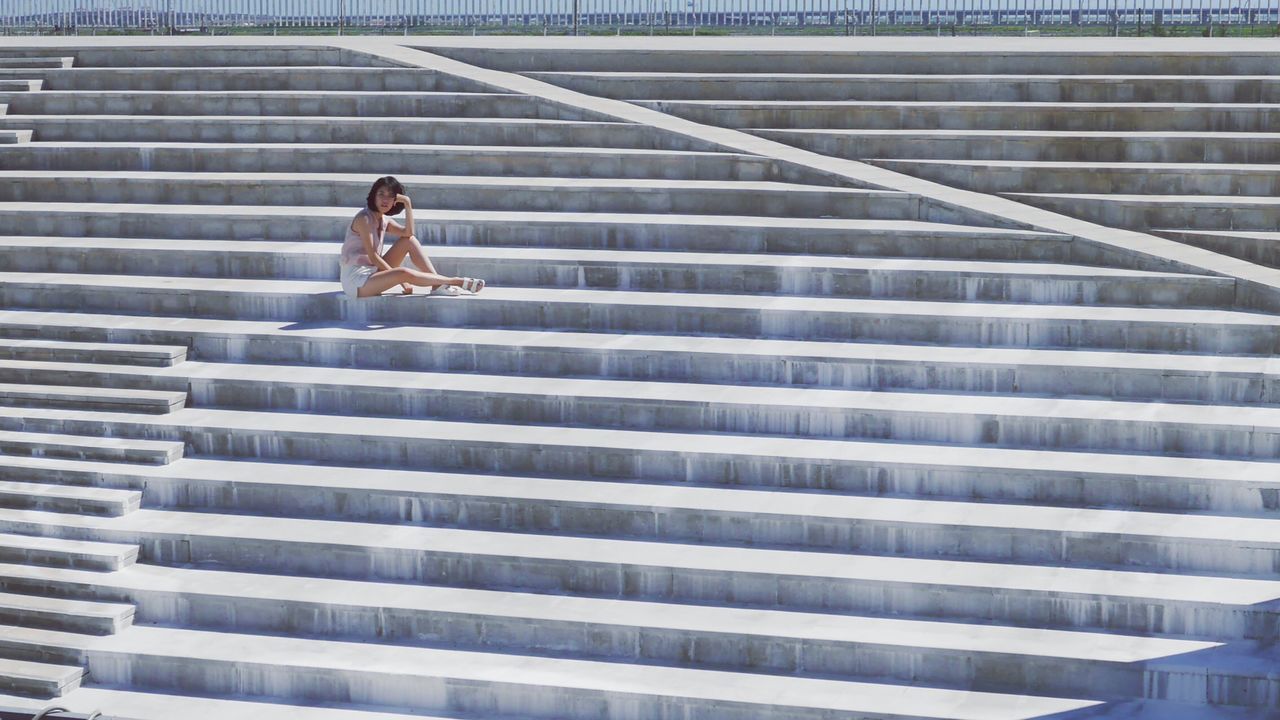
<point x="834" y="16"/>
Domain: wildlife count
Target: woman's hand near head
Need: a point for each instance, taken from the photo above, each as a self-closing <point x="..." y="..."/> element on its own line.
<point x="404" y="200"/>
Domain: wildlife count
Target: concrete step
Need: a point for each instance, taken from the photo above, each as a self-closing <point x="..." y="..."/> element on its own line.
<point x="930" y="417"/>
<point x="754" y="461"/>
<point x="834" y="55"/>
<point x="59" y="498"/>
<point x="341" y="131"/>
<point x="78" y="616"/>
<point x="42" y="646"/>
<point x="1166" y="377"/>
<point x="90" y="398"/>
<point x="962" y="115"/>
<point x="911" y="87"/>
<point x="1038" y="145"/>
<point x="619" y="231"/>
<point x="202" y="56"/>
<point x="1193" y="212"/>
<point x="321" y="103"/>
<point x="472" y="682"/>
<point x="809" y="318"/>
<point x="106" y="449"/>
<point x="64" y="553"/>
<point x="1045" y="596"/>
<point x="15" y="137"/>
<point x="40" y="680"/>
<point x="1158" y="710"/>
<point x="643" y="271"/>
<point x="995" y="658"/>
<point x="20" y="86"/>
<point x="220" y="78"/>
<point x="36" y="62"/>
<point x="397" y="160"/>
<point x="150" y="355"/>
<point x="1000" y="176"/>
<point x="662" y="512"/>
<point x="1260" y="247"/>
<point x="462" y="192"/>
<point x="142" y="704"/>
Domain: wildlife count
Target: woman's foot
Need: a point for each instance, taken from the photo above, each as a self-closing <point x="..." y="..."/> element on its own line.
<point x="472" y="285"/>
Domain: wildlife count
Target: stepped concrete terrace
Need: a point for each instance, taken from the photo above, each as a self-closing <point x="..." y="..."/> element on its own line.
<point x="830" y="379"/>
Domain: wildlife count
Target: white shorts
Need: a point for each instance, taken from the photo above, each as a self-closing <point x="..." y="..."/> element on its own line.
<point x="354" y="277"/>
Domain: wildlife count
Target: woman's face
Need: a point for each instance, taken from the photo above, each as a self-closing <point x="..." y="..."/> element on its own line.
<point x="384" y="199"/>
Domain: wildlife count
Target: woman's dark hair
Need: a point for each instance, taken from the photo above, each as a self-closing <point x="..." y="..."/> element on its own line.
<point x="380" y="183"/>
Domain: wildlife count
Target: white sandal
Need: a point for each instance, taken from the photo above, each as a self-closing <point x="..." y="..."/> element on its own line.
<point x="445" y="290"/>
<point x="472" y="285"/>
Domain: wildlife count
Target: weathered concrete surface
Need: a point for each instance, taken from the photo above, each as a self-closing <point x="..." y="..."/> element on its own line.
<point x="738" y="429"/>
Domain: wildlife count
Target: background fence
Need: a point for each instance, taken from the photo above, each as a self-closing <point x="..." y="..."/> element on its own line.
<point x="835" y="16"/>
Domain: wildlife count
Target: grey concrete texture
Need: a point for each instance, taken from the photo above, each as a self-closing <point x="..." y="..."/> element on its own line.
<point x="739" y="429"/>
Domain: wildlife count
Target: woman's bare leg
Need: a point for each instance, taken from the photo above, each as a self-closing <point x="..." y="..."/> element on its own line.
<point x="384" y="280"/>
<point x="411" y="248"/>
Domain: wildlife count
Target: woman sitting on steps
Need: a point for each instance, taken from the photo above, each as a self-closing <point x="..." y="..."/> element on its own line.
<point x="367" y="272"/>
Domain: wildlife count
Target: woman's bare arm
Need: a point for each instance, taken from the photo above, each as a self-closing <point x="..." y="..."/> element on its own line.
<point x="408" y="214"/>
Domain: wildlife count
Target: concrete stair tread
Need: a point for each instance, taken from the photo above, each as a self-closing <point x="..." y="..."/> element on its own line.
<point x="68" y="145"/>
<point x="1027" y="134"/>
<point x="90" y="395"/>
<point x="428" y="214"/>
<point x="31" y="348"/>
<point x="604" y="298"/>
<point x="964" y="104"/>
<point x="613" y="258"/>
<point x="1256" y="531"/>
<point x="957" y="456"/>
<point x="69" y="498"/>
<point x="980" y="78"/>
<point x="535" y="607"/>
<point x="140" y="704"/>
<point x="676" y="393"/>
<point x="599" y="342"/>
<point x="615" y="679"/>
<point x="60" y="545"/>
<point x="428" y="181"/>
<point x="1194" y="200"/>
<point x="42" y="674"/>
<point x="1065" y="581"/>
<point x="118" y="449"/>
<point x="41" y="637"/>
<point x="119" y="612"/>
<point x="1154" y="167"/>
<point x="308" y="119"/>
<point x="143" y="705"/>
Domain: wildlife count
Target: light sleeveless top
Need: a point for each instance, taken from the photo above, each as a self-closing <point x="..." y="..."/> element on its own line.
<point x="353" y="244"/>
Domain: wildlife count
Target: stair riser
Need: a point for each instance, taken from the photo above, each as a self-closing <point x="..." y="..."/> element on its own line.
<point x="665" y="415"/>
<point x="196" y="56"/>
<point x="980" y="671"/>
<point x="812" y="324"/>
<point x="81" y="452"/>
<point x="1155" y="215"/>
<point x="334" y="104"/>
<point x="596" y="234"/>
<point x="341" y="131"/>
<point x="906" y="284"/>
<point x="57" y="559"/>
<point x="379" y="161"/>
<point x="61" y="622"/>
<point x="215" y="79"/>
<point x="929" y="89"/>
<point x="75" y="355"/>
<point x="1096" y="180"/>
<point x="1256" y="250"/>
<point x="1060" y="489"/>
<point x="1052" y="149"/>
<point x="35" y="688"/>
<point x="825" y="59"/>
<point x="79" y="506"/>
<point x="20" y="649"/>
<point x="888" y="117"/>
<point x="49" y="62"/>
<point x="1202" y="687"/>
<point x="462" y="196"/>
<point x="483" y="698"/>
<point x="703" y="586"/>
<point x="105" y="405"/>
